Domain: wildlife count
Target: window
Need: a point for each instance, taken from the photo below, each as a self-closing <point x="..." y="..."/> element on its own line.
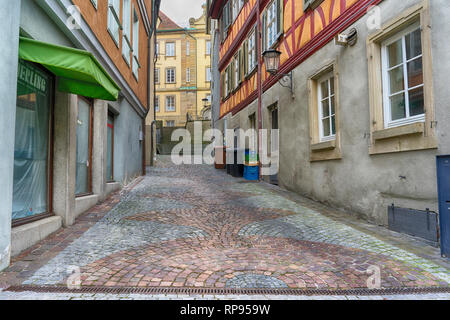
<point x="208" y="47"/>
<point x="94" y="3"/>
<point x="250" y="62"/>
<point x="157" y="103"/>
<point x="170" y="49"/>
<point x="208" y="96"/>
<point x="188" y="75"/>
<point x="126" y="34"/>
<point x="327" y="110"/>
<point x="157" y="72"/>
<point x="236" y="8"/>
<point x="188" y="48"/>
<point x="170" y="123"/>
<point x="136" y="64"/>
<point x="32" y="159"/>
<point x="403" y="78"/>
<point x="110" y="152"/>
<point x="402" y="113"/>
<point x="170" y="75"/>
<point x="170" y="103"/>
<point x="208" y="74"/>
<point x="84" y="148"/>
<point x="114" y="20"/>
<point x="272" y="24"/>
<point x="226" y="20"/>
<point x="157" y="49"/>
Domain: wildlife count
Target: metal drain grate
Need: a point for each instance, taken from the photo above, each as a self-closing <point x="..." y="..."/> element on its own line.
<point x="219" y="291"/>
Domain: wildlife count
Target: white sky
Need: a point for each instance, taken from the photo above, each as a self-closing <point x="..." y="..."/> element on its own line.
<point x="180" y="11"/>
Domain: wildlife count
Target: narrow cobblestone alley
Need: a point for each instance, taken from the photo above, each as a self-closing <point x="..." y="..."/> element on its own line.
<point x="194" y="226"/>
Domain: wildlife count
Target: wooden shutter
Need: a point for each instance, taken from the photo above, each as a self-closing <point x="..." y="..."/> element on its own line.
<point x="245" y="58"/>
<point x="280" y="17"/>
<point x="241" y="69"/>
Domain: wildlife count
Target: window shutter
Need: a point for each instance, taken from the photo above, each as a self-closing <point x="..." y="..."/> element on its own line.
<point x="233" y="78"/>
<point x="240" y="66"/>
<point x="245" y="60"/>
<point x="264" y="32"/>
<point x="280" y="17"/>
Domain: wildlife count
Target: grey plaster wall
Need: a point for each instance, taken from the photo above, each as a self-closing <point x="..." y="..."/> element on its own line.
<point x="360" y="183"/>
<point x="9" y="24"/>
<point x="127" y="146"/>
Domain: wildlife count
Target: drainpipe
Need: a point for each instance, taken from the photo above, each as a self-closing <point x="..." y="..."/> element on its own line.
<point x="258" y="53"/>
<point x="155" y="10"/>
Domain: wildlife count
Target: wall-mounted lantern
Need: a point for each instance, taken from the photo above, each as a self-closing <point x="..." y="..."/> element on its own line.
<point x="272" y="63"/>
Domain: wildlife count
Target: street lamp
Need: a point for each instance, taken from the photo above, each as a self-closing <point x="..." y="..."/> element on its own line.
<point x="272" y="62"/>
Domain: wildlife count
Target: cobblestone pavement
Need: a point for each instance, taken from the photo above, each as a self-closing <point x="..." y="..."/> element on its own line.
<point x="194" y="226"/>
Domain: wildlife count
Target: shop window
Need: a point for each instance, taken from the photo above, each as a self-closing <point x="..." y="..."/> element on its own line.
<point x="110" y="151"/>
<point x="170" y="123"/>
<point x="32" y="160"/>
<point x="402" y="115"/>
<point x="84" y="148"/>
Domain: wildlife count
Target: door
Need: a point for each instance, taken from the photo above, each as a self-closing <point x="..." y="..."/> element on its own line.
<point x="84" y="148"/>
<point x="443" y="173"/>
<point x="274" y="147"/>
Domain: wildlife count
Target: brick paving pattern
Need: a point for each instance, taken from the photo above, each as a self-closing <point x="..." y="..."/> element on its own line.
<point x="194" y="226"/>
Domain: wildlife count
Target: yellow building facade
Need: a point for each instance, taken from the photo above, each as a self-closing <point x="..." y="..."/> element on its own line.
<point x="183" y="71"/>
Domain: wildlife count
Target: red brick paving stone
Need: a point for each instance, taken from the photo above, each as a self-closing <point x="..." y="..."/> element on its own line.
<point x="328" y="262"/>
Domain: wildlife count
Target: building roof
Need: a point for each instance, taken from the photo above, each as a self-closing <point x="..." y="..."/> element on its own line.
<point x="167" y="23"/>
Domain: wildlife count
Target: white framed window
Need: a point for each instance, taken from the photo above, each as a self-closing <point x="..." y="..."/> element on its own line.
<point x="237" y="70"/>
<point x="188" y="75"/>
<point x="327" y="107"/>
<point x="157" y="103"/>
<point x="136" y="64"/>
<point x="272" y="23"/>
<point x="170" y="49"/>
<point x="188" y="48"/>
<point x="157" y="74"/>
<point x="114" y="20"/>
<point x="157" y="49"/>
<point x="208" y="74"/>
<point x="226" y="20"/>
<point x="170" y="103"/>
<point x="170" y="75"/>
<point x="403" y="81"/>
<point x="208" y="96"/>
<point x="208" y="47"/>
<point x="126" y="33"/>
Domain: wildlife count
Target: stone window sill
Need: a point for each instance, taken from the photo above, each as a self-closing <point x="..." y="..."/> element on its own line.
<point x="323" y="146"/>
<point x="407" y="130"/>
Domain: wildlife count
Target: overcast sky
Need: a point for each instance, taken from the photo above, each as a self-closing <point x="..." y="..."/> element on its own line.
<point x="181" y="11"/>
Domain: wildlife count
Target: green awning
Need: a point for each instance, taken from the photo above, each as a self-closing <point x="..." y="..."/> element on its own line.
<point x="78" y="71"/>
